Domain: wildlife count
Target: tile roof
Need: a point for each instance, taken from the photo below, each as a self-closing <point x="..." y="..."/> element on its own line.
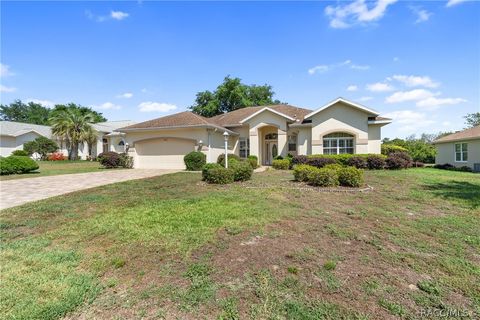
<point x="180" y="119"/>
<point x="15" y="129"/>
<point x="467" y="134"/>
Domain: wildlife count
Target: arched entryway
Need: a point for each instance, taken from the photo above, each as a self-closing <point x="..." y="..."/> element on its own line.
<point x="269" y="144"/>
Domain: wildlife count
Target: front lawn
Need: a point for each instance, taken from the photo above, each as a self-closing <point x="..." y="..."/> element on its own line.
<point x="51" y="168"/>
<point x="172" y="247"/>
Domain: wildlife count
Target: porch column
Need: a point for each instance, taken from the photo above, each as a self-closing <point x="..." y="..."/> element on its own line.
<point x="254" y="144"/>
<point x="282" y="143"/>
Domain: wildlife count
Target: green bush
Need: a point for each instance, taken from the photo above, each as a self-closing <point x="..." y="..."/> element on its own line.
<point x="126" y="161"/>
<point x="301" y="172"/>
<point x="17" y="164"/>
<point x="334" y="166"/>
<point x="253" y="160"/>
<point x="281" y="164"/>
<point x="220" y="175"/>
<point x="41" y="145"/>
<point x="207" y="167"/>
<point x="350" y="177"/>
<point x="323" y="177"/>
<point x="221" y="158"/>
<point x="195" y="160"/>
<point x="242" y="170"/>
<point x="20" y="153"/>
<point x="376" y="161"/>
<point x="391" y="148"/>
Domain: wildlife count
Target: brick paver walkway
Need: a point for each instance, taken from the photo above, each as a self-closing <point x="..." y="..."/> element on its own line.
<point x="16" y="192"/>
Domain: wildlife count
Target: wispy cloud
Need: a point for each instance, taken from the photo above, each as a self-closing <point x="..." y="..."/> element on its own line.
<point x="452" y="3"/>
<point x="114" y="15"/>
<point x="5" y="71"/>
<point x="357" y="12"/>
<point x="108" y="106"/>
<point x="379" y="87"/>
<point x="352" y="88"/>
<point x="150" y="106"/>
<point x="118" y="15"/>
<point x="415" y="81"/>
<point x="412" y="95"/>
<point x="6" y="89"/>
<point x="421" y="14"/>
<point x="327" y="67"/>
<point x="126" y="95"/>
<point x="409" y="120"/>
<point x="432" y="103"/>
<point x="45" y="103"/>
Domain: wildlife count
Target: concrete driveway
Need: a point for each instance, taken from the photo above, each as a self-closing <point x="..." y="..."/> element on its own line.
<point x="16" y="192"/>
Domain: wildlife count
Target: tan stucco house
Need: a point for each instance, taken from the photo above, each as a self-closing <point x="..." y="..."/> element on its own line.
<point x="460" y="149"/>
<point x="340" y="126"/>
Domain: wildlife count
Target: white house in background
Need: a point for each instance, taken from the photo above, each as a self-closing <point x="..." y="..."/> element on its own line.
<point x="14" y="134"/>
<point x="340" y="126"/>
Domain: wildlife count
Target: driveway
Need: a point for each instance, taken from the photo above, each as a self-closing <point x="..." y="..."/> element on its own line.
<point x="16" y="192"/>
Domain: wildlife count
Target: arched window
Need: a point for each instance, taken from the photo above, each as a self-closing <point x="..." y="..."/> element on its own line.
<point x="338" y="143"/>
<point x="121" y="143"/>
<point x="271" y="136"/>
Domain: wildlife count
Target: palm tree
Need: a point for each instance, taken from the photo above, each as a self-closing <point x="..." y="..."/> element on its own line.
<point x="71" y="125"/>
<point x="90" y="138"/>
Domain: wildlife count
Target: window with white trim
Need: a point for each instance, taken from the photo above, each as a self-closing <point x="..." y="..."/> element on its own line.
<point x="338" y="143"/>
<point x="461" y="152"/>
<point x="244" y="147"/>
<point x="292" y="143"/>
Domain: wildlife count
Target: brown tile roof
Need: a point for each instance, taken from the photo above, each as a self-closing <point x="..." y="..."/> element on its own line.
<point x="467" y="134"/>
<point x="233" y="118"/>
<point x="180" y="119"/>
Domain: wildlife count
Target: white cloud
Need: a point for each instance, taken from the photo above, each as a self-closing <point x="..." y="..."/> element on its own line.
<point x="347" y="63"/>
<point x="108" y="106"/>
<point x="126" y="95"/>
<point x="363" y="99"/>
<point x="379" y="87"/>
<point x="413" y="95"/>
<point x="118" y="15"/>
<point x="46" y="103"/>
<point x="452" y="3"/>
<point x="357" y="12"/>
<point x="156" y="107"/>
<point x="432" y="103"/>
<point x="408" y="120"/>
<point x="352" y="88"/>
<point x="416" y="81"/>
<point x="421" y="14"/>
<point x="5" y="70"/>
<point x="6" y="89"/>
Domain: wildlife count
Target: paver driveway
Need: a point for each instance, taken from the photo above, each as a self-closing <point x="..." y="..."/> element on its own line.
<point x="16" y="192"/>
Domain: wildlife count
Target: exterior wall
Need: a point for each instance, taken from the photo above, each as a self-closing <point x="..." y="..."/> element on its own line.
<point x="304" y="141"/>
<point x="340" y="118"/>
<point x="7" y="145"/>
<point x="446" y="153"/>
<point x="374" y="138"/>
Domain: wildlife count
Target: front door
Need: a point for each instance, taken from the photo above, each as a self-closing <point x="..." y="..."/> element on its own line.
<point x="271" y="151"/>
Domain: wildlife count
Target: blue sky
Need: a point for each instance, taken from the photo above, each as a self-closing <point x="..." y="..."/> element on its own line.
<point x="418" y="62"/>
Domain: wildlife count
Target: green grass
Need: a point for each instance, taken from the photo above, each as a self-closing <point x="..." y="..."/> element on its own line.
<point x="52" y="168"/>
<point x="160" y="242"/>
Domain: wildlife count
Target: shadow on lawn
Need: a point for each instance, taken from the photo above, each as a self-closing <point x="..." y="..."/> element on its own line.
<point x="457" y="190"/>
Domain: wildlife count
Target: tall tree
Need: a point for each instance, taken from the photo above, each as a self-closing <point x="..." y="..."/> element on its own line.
<point x="472" y="120"/>
<point x="231" y="95"/>
<point x="25" y="112"/>
<point x="96" y="116"/>
<point x="72" y="126"/>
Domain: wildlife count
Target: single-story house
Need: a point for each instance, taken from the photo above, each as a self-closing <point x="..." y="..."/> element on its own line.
<point x="460" y="149"/>
<point x="340" y="126"/>
<point x="14" y="134"/>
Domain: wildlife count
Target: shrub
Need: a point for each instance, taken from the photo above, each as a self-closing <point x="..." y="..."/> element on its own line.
<point x="126" y="161"/>
<point x="445" y="166"/>
<point x="358" y="162"/>
<point x="323" y="177"/>
<point x="375" y="161"/>
<point x="40" y="145"/>
<point x="207" y="167"/>
<point x="301" y="159"/>
<point x="221" y="158"/>
<point x="253" y="160"/>
<point x="242" y="171"/>
<point x="56" y="156"/>
<point x="301" y="172"/>
<point x="464" y="169"/>
<point x="195" y="160"/>
<point x="20" y="153"/>
<point x="334" y="166"/>
<point x="320" y="162"/>
<point x="219" y="175"/>
<point x="281" y="164"/>
<point x="398" y="160"/>
<point x="110" y="159"/>
<point x="17" y="164"/>
<point x="387" y="149"/>
<point x="279" y="157"/>
<point x="350" y="177"/>
<point x="340" y="158"/>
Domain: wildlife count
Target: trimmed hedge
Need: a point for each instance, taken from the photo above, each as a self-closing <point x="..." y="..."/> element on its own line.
<point x="324" y="177"/>
<point x="320" y="162"/>
<point x="350" y="177"/>
<point x="221" y="158"/>
<point x="112" y="159"/>
<point x="358" y="162"/>
<point x="375" y="161"/>
<point x="387" y="149"/>
<point x="329" y="176"/>
<point x="20" y="153"/>
<point x="17" y="165"/>
<point x="242" y="170"/>
<point x="448" y="166"/>
<point x="253" y="160"/>
<point x="398" y="160"/>
<point x="195" y="160"/>
<point x="219" y="175"/>
<point x="301" y="172"/>
<point x="281" y="164"/>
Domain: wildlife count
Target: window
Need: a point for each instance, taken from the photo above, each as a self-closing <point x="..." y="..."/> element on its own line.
<point x="244" y="147"/>
<point x="461" y="152"/>
<point x="292" y="143"/>
<point x="121" y="143"/>
<point x="338" y="143"/>
<point x="271" y="136"/>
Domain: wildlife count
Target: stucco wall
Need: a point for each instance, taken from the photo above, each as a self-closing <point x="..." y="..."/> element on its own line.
<point x="374" y="138"/>
<point x="304" y="141"/>
<point x="446" y="153"/>
<point x="7" y="145"/>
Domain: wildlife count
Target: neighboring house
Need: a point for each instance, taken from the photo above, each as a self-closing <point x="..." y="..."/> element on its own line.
<point x="460" y="149"/>
<point x="14" y="134"/>
<point x="340" y="126"/>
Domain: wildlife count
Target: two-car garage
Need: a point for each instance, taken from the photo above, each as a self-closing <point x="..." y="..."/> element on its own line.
<point x="162" y="153"/>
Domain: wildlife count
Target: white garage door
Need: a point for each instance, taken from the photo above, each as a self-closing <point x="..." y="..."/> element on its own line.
<point x="163" y="153"/>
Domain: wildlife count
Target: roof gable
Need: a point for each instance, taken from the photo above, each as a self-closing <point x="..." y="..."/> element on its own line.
<point x="467" y="134"/>
<point x="266" y="109"/>
<point x="346" y="102"/>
